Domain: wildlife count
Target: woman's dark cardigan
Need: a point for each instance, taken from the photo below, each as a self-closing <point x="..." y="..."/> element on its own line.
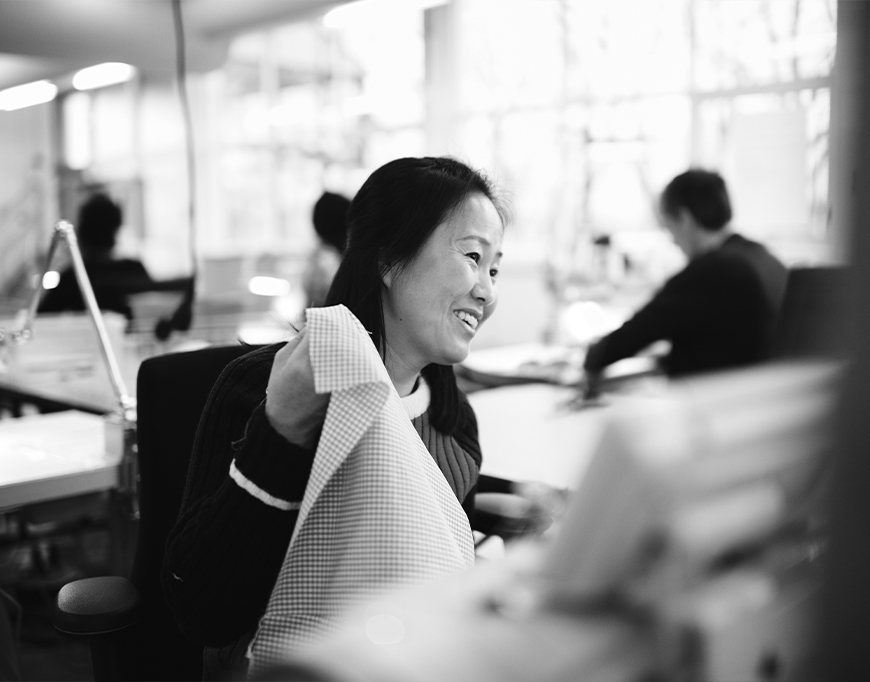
<point x="225" y="552"/>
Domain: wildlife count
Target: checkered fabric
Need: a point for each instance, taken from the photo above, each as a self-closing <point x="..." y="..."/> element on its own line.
<point x="377" y="512"/>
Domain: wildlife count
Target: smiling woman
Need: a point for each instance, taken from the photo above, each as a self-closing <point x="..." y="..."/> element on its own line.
<point x="411" y="212"/>
<point x="433" y="307"/>
<point x="419" y="274"/>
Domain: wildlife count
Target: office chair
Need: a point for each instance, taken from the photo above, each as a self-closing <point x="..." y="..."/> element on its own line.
<point x="131" y="629"/>
<point x="132" y="633"/>
<point x="815" y="317"/>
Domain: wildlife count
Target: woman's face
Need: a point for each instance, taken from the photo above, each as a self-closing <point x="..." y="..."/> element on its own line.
<point x="434" y="307"/>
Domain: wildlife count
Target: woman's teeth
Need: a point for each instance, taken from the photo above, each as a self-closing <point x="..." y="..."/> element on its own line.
<point x="470" y="320"/>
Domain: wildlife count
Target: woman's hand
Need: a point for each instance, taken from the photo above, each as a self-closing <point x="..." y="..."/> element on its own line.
<point x="546" y="504"/>
<point x="590" y="384"/>
<point x="292" y="407"/>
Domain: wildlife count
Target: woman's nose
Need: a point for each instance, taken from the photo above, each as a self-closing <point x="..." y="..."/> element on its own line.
<point x="484" y="289"/>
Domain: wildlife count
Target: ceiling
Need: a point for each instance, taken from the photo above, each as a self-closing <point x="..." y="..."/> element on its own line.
<point x="52" y="38"/>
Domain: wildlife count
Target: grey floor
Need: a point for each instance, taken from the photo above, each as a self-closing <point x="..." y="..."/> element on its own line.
<point x="45" y="655"/>
<point x="34" y="565"/>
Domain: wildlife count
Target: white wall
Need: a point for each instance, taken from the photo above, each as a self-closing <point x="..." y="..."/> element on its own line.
<point x="28" y="194"/>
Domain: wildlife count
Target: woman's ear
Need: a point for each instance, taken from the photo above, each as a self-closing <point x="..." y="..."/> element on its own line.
<point x="388" y="274"/>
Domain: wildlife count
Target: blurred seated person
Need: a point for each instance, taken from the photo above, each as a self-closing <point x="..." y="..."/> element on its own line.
<point x="720" y="310"/>
<point x="112" y="279"/>
<point x="330" y="224"/>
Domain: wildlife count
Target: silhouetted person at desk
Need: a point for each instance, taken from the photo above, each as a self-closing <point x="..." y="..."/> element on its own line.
<point x="330" y="224"/>
<point x="112" y="279"/>
<point x="720" y="310"/>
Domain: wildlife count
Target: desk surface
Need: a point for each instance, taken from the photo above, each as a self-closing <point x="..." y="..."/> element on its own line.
<point x="556" y="364"/>
<point x="62" y="365"/>
<point x="529" y="433"/>
<point x="526" y="433"/>
<point x="49" y="456"/>
<point x="87" y="391"/>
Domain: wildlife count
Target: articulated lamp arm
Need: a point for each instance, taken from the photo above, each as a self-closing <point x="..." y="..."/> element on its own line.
<point x="63" y="231"/>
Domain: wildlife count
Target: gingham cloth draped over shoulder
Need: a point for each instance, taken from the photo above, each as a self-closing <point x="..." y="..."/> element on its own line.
<point x="377" y="512"/>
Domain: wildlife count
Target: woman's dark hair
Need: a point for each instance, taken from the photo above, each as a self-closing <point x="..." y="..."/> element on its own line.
<point x="330" y="219"/>
<point x="703" y="193"/>
<point x="390" y="219"/>
<point x="100" y="218"/>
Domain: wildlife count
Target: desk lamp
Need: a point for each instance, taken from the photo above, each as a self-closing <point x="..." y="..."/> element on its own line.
<point x="120" y="431"/>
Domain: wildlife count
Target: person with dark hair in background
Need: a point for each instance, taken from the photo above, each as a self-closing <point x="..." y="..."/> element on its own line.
<point x="112" y="279"/>
<point x="419" y="273"/>
<point x="720" y="310"/>
<point x="330" y="223"/>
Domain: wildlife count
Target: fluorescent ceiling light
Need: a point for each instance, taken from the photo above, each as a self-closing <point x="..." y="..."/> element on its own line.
<point x="101" y="75"/>
<point x="38" y="92"/>
<point x="348" y="14"/>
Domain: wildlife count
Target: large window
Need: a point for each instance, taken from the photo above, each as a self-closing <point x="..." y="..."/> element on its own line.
<point x="586" y="110"/>
<point x="581" y="109"/>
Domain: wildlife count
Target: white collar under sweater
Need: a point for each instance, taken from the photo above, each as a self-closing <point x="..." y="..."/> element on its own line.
<point x="417" y="402"/>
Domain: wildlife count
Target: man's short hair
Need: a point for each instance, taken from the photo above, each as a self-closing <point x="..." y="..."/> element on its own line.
<point x="703" y="194"/>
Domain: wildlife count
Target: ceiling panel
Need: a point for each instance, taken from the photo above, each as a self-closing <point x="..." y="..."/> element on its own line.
<point x="50" y="38"/>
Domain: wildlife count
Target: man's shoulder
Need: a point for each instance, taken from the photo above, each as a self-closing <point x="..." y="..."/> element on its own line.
<point x="757" y="257"/>
<point x="714" y="269"/>
<point x="740" y="245"/>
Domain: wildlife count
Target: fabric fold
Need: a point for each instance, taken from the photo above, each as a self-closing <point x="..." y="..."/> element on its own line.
<point x="377" y="512"/>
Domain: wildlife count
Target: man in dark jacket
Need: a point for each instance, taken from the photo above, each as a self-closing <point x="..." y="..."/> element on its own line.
<point x="720" y="310"/>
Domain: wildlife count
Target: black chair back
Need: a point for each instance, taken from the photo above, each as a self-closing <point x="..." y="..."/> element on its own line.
<point x="815" y="318"/>
<point x="171" y="392"/>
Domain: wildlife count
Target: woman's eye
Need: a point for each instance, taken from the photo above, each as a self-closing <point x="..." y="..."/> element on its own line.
<point x="474" y="256"/>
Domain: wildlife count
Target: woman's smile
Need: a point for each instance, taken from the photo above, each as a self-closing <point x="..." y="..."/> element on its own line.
<point x="469" y="319"/>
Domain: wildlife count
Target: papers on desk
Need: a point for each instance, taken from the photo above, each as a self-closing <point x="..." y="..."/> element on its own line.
<point x="64" y="342"/>
<point x="63" y="361"/>
<point x="48" y="456"/>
